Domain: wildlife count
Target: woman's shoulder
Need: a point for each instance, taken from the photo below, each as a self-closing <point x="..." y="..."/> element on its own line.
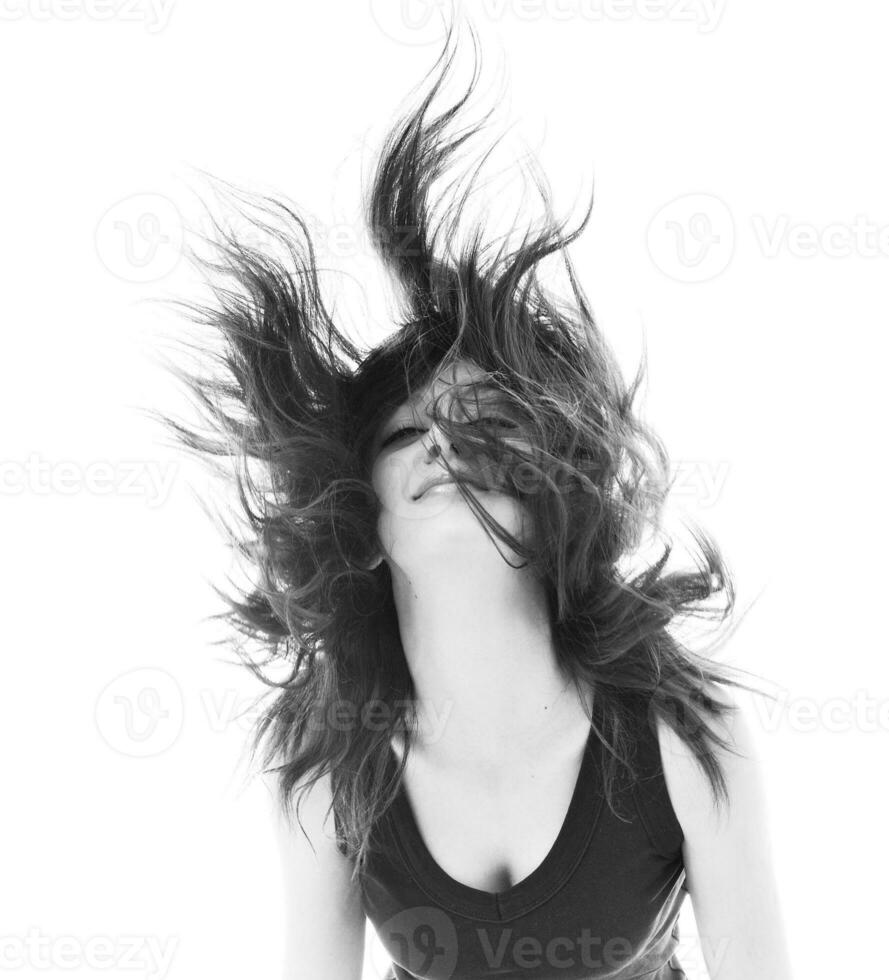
<point x="687" y="782"/>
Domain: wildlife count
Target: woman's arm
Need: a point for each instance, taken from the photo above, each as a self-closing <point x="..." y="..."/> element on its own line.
<point x="324" y="919"/>
<point x="727" y="855"/>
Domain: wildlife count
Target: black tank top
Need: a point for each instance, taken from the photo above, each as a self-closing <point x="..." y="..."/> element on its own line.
<point x="604" y="903"/>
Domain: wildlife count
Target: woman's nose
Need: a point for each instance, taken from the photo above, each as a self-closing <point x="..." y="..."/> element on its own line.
<point x="436" y="440"/>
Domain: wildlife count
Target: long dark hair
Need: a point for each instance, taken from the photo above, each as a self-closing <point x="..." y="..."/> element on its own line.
<point x="303" y="402"/>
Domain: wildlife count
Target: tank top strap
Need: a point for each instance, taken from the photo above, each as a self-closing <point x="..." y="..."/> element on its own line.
<point x="649" y="791"/>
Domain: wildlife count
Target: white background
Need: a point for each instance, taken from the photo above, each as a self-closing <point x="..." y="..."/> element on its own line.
<point x="761" y="295"/>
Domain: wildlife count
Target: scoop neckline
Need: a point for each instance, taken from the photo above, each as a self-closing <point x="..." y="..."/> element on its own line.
<point x="567" y="850"/>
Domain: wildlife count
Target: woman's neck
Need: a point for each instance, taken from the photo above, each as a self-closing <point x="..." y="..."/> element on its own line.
<point x="487" y="682"/>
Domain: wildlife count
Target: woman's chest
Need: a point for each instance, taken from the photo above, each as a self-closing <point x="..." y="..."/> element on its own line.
<point x="490" y="833"/>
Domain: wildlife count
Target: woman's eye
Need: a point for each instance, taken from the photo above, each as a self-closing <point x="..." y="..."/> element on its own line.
<point x="497" y="421"/>
<point x="412" y="428"/>
<point x="397" y="433"/>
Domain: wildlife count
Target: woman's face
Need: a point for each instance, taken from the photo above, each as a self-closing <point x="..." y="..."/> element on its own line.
<point x="437" y="525"/>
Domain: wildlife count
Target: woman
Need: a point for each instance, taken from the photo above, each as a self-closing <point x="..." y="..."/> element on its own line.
<point x="527" y="770"/>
